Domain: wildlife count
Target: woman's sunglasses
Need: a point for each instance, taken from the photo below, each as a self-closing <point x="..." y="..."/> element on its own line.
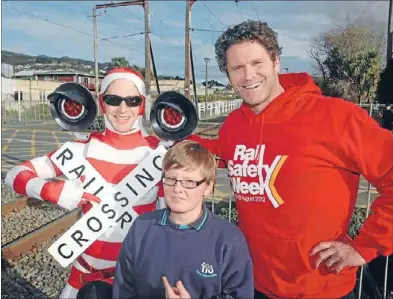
<point x="114" y="100"/>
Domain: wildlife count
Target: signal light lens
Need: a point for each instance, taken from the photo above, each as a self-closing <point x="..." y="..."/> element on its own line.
<point x="172" y="116"/>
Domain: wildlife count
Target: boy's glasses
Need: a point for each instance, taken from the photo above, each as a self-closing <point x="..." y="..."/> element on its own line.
<point x="114" y="100"/>
<point x="188" y="184"/>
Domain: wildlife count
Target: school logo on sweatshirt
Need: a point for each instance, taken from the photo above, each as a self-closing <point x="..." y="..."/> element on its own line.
<point x="206" y="270"/>
<point x="248" y="163"/>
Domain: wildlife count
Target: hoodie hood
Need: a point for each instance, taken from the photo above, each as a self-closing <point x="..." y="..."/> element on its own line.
<point x="297" y="87"/>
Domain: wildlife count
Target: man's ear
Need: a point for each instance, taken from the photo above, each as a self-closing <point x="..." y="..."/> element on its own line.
<point x="277" y="64"/>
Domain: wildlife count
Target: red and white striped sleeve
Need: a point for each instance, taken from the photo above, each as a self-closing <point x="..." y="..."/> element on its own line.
<point x="31" y="179"/>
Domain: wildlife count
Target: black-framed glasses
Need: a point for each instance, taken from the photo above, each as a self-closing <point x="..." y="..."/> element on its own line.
<point x="188" y="184"/>
<point x="115" y="100"/>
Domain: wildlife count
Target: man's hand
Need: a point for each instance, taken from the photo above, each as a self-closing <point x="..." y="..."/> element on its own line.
<point x="337" y="255"/>
<point x="86" y="197"/>
<point x="175" y="292"/>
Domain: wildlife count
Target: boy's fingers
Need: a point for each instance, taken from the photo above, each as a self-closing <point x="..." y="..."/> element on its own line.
<point x="168" y="289"/>
<point x="182" y="290"/>
<point x="175" y="291"/>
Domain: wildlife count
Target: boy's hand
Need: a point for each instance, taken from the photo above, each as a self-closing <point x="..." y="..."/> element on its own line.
<point x="178" y="292"/>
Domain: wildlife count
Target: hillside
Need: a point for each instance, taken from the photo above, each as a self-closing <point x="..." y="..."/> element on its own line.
<point x="22" y="62"/>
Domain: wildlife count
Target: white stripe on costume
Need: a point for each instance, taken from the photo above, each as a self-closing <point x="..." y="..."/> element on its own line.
<point x="68" y="292"/>
<point x="104" y="152"/>
<point x="70" y="195"/>
<point x="140" y="85"/>
<point x="11" y="175"/>
<point x="43" y="167"/>
<point x="34" y="187"/>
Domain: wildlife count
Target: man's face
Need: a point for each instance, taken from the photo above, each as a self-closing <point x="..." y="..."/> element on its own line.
<point x="122" y="117"/>
<point x="253" y="74"/>
<point x="183" y="200"/>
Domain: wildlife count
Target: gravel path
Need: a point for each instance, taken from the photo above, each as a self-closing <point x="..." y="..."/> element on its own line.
<point x="36" y="276"/>
<point x="18" y="223"/>
<point x="8" y="195"/>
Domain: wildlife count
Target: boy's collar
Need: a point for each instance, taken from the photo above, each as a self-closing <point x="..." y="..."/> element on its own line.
<point x="197" y="224"/>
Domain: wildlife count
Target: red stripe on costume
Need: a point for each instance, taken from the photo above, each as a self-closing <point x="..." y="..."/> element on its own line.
<point x="141" y="209"/>
<point x="160" y="190"/>
<point x="104" y="250"/>
<point x="75" y="278"/>
<point x="57" y="170"/>
<point x="111" y="172"/>
<point x="153" y="141"/>
<point x="28" y="164"/>
<point x="51" y="191"/>
<point x="121" y="142"/>
<point x="21" y="180"/>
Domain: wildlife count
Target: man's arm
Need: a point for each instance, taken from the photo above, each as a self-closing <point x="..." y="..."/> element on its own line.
<point x="213" y="145"/>
<point x="124" y="281"/>
<point x="369" y="151"/>
<point x="237" y="273"/>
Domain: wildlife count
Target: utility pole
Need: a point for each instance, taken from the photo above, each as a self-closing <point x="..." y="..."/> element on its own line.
<point x="146" y="6"/>
<point x="187" y="51"/>
<point x="95" y="34"/>
<point x="390" y="34"/>
<point x="207" y="60"/>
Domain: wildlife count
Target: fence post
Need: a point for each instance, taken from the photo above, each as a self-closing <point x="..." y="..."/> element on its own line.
<point x="19" y="112"/>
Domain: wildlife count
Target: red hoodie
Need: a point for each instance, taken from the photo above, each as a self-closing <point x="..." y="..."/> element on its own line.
<point x="295" y="171"/>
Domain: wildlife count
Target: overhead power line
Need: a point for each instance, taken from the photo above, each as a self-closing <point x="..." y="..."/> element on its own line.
<point x="162" y="22"/>
<point x="364" y="12"/>
<point x="67" y="27"/>
<point x="255" y="10"/>
<point x="212" y="13"/>
<point x="122" y="36"/>
<point x="238" y="9"/>
<point x="206" y="30"/>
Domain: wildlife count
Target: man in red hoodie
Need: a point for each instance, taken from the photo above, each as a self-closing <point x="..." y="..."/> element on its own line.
<point x="294" y="159"/>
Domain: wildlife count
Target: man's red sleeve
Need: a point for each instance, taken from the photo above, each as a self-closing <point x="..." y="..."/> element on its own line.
<point x="369" y="150"/>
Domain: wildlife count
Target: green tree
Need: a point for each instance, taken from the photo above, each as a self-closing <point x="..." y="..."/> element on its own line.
<point x="119" y="62"/>
<point x="348" y="59"/>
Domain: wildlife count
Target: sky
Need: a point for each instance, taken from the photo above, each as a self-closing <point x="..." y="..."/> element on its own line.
<point x="296" y="23"/>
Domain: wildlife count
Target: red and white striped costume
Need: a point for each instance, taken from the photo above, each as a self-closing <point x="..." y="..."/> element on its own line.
<point x="113" y="155"/>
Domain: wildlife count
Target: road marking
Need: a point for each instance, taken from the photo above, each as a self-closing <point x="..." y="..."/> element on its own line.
<point x="37" y="142"/>
<point x="56" y="139"/>
<point x="32" y="153"/>
<point x="27" y="150"/>
<point x="4" y="149"/>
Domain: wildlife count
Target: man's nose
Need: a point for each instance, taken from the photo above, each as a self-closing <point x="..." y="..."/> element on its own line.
<point x="122" y="107"/>
<point x="249" y="72"/>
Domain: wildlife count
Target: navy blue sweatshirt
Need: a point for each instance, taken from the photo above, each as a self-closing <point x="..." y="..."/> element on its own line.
<point x="210" y="257"/>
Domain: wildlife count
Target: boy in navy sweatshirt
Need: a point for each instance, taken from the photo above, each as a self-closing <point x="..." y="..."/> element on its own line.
<point x="196" y="253"/>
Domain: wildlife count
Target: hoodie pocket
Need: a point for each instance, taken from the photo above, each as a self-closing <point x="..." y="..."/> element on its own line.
<point x="281" y="259"/>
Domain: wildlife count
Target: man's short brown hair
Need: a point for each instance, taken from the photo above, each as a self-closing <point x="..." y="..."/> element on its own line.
<point x="191" y="156"/>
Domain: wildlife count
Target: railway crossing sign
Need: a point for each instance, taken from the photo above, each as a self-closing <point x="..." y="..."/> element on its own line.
<point x="116" y="201"/>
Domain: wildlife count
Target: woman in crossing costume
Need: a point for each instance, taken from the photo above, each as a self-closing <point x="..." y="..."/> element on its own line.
<point x="113" y="153"/>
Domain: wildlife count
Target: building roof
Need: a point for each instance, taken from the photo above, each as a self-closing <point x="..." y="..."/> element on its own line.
<point x="52" y="73"/>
